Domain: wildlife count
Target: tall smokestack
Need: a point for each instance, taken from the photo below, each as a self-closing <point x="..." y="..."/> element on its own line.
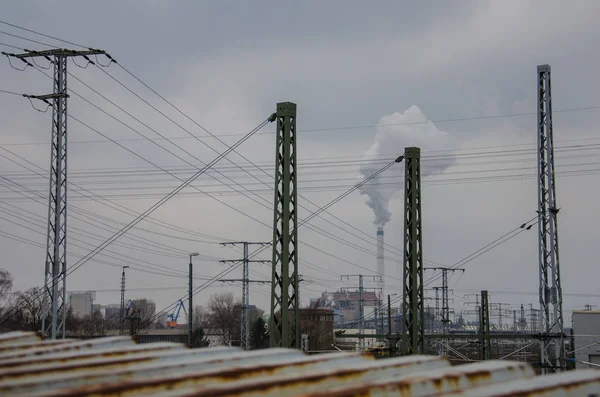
<point x="380" y="261"/>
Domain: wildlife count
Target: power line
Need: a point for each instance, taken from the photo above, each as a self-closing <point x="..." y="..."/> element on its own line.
<point x="95" y="215"/>
<point x="131" y="224"/>
<point x="10" y="92"/>
<point x="317" y="229"/>
<point x="461" y="263"/>
<point x="42" y="34"/>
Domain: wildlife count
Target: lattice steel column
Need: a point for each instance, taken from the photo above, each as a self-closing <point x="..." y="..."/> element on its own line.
<point x="361" y="310"/>
<point x="122" y="311"/>
<point x="244" y="321"/>
<point x="484" y="327"/>
<point x="54" y="301"/>
<point x="285" y="311"/>
<point x="245" y="315"/>
<point x="412" y="308"/>
<point x="553" y="346"/>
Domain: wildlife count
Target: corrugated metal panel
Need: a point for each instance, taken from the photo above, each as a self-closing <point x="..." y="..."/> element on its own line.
<point x="34" y="349"/>
<point x="574" y="383"/>
<point x="118" y="367"/>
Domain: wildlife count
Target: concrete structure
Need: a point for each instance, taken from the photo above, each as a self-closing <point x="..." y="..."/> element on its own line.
<point x="82" y="303"/>
<point x="586" y="325"/>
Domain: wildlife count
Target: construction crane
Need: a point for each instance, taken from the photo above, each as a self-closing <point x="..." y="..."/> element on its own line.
<point x="172" y="318"/>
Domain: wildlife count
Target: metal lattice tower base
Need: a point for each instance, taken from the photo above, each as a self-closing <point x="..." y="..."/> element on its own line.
<point x="285" y="298"/>
<point x="553" y="344"/>
<point x="413" y="308"/>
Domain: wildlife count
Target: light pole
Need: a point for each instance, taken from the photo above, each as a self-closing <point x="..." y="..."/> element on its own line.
<point x="121" y="313"/>
<point x="190" y="313"/>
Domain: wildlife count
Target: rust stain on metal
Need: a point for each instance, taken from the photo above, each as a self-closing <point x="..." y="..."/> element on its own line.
<point x="170" y="381"/>
<point x="37" y="363"/>
<point x="322" y="380"/>
<point x="119" y="367"/>
<point x="437" y="381"/>
<point x="572" y="383"/>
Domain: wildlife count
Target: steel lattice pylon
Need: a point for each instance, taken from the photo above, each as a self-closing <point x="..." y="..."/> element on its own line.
<point x="553" y="347"/>
<point x="54" y="301"/>
<point x="285" y="312"/>
<point x="412" y="308"/>
<point x="484" y="327"/>
<point x="54" y="305"/>
<point x="245" y="315"/>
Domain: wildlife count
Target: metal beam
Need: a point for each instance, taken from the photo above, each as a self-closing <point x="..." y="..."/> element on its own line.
<point x="484" y="327"/>
<point x="553" y="350"/>
<point x="412" y="308"/>
<point x="285" y="297"/>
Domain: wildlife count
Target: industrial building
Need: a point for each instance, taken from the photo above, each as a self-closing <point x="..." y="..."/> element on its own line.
<point x="586" y="338"/>
<point x="82" y="303"/>
<point x="316" y="329"/>
<point x="346" y="304"/>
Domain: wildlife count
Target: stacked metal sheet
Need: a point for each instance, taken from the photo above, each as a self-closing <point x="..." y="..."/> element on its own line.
<point x="117" y="366"/>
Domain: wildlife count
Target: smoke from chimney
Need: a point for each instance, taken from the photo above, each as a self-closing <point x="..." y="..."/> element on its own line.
<point x="394" y="133"/>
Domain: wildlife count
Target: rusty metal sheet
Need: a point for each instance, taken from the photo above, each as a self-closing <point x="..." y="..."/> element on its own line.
<point x="10" y="338"/>
<point x="63" y="345"/>
<point x="185" y="373"/>
<point x="7" y="350"/>
<point x="117" y="366"/>
<point x="73" y="361"/>
<point x="164" y="365"/>
<point x="584" y="382"/>
<point x="317" y="379"/>
<point x="437" y="381"/>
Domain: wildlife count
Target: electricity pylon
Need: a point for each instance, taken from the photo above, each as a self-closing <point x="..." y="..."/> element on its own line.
<point x="285" y="295"/>
<point x="54" y="306"/>
<point x="245" y="319"/>
<point x="553" y="343"/>
<point x="484" y="327"/>
<point x="413" y="306"/>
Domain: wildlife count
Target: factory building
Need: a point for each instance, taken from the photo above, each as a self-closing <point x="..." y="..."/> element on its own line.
<point x="586" y="324"/>
<point x="82" y="303"/>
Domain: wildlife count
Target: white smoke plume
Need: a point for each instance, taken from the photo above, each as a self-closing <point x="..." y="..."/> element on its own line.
<point x="394" y="133"/>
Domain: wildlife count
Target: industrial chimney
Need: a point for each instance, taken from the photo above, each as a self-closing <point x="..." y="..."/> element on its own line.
<point x="380" y="261"/>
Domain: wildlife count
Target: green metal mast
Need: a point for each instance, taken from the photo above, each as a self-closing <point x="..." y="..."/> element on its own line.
<point x="284" y="324"/>
<point x="412" y="308"/>
<point x="484" y="327"/>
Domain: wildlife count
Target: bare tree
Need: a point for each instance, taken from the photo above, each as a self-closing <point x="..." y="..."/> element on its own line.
<point x="199" y="317"/>
<point x="6" y="283"/>
<point x="145" y="309"/>
<point x="92" y="325"/>
<point x="25" y="311"/>
<point x="224" y="315"/>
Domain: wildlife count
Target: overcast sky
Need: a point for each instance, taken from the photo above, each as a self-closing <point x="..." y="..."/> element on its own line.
<point x="346" y="64"/>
